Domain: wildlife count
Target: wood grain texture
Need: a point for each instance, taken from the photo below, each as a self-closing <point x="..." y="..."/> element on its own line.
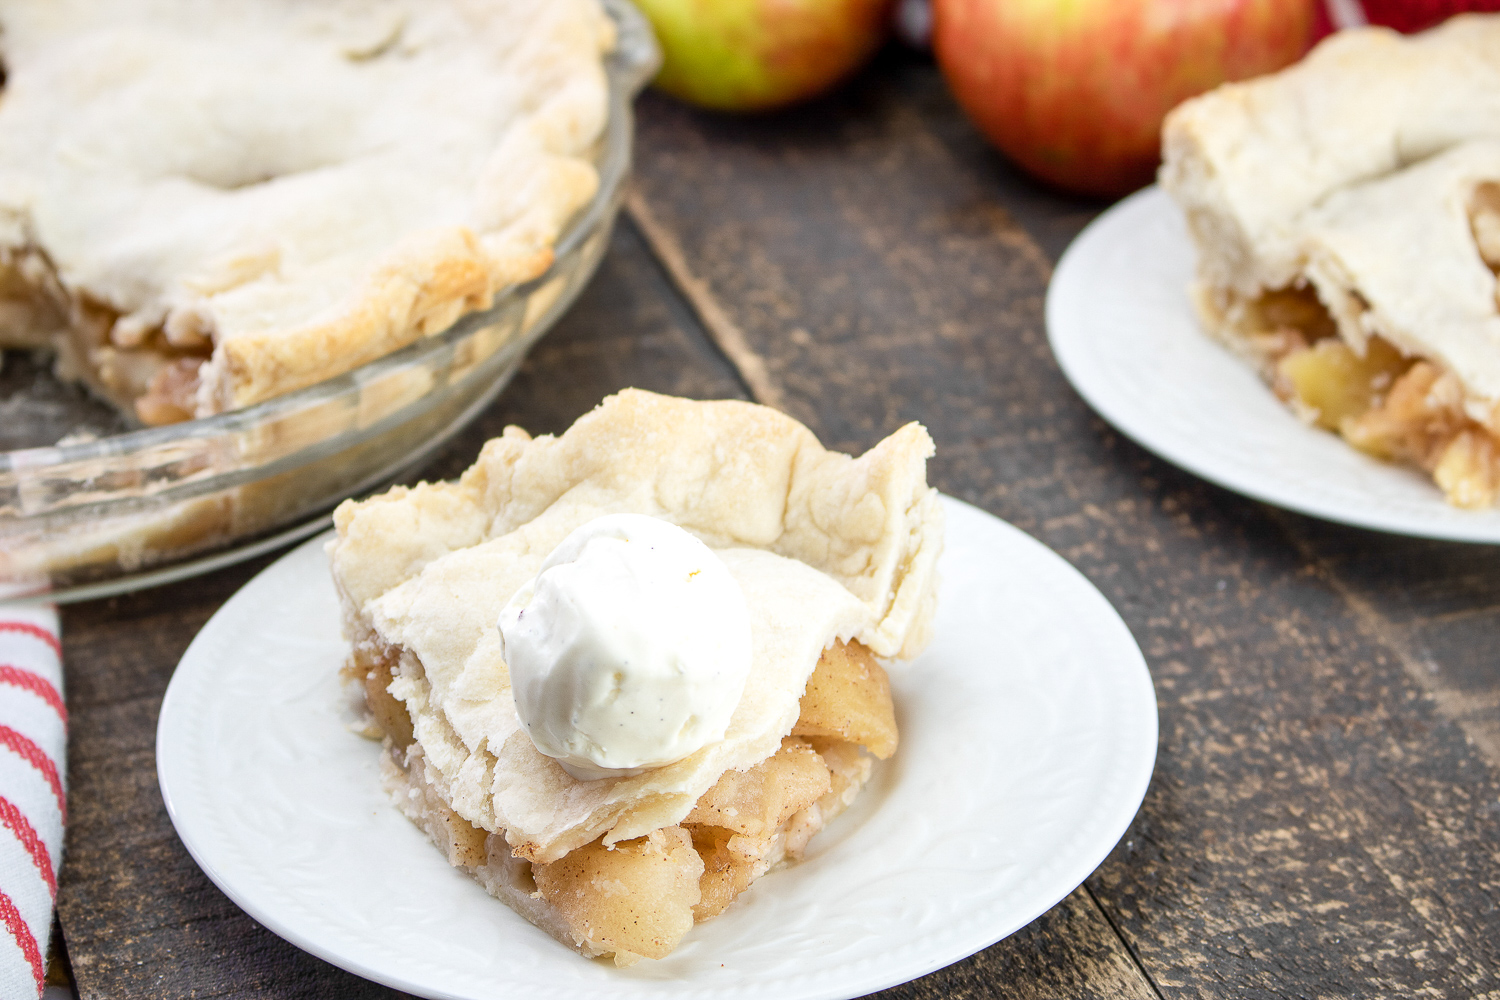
<point x="1070" y="952"/>
<point x="1439" y="620"/>
<point x="1320" y="824"/>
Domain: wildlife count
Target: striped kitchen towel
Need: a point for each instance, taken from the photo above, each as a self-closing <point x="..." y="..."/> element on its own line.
<point x="33" y="803"/>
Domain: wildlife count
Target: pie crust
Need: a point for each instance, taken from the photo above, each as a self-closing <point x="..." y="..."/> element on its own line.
<point x="837" y="560"/>
<point x="204" y="206"/>
<point x="1346" y="213"/>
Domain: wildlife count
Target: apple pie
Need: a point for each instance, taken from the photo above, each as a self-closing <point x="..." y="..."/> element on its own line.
<point x="836" y="557"/>
<point x="206" y="205"/>
<point x="1346" y="213"/>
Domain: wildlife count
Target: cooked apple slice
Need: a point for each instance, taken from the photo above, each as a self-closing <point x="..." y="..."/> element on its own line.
<point x="635" y="898"/>
<point x="849" y="696"/>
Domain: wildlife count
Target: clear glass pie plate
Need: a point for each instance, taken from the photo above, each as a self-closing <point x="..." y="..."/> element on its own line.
<point x="134" y="509"/>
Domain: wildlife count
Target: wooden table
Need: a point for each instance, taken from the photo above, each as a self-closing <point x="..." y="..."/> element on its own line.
<point x="1325" y="816"/>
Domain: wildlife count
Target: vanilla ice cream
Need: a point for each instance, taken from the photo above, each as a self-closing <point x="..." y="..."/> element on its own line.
<point x="629" y="649"/>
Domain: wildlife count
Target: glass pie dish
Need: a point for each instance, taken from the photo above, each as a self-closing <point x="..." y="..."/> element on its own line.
<point x="87" y="518"/>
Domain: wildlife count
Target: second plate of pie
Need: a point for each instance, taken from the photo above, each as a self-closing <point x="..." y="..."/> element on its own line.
<point x="1123" y="329"/>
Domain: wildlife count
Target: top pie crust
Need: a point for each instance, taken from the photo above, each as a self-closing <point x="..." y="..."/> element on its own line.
<point x="1397" y="258"/>
<point x="826" y="547"/>
<point x="1368" y="173"/>
<point x="289" y="188"/>
<point x="1247" y="160"/>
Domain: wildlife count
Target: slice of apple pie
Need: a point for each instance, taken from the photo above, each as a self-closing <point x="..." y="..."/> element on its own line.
<point x="206" y="205"/>
<point x="830" y="561"/>
<point x="1346" y="213"/>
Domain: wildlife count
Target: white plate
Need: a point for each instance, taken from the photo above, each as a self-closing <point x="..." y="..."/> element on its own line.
<point x="1028" y="734"/>
<point x="1124" y="332"/>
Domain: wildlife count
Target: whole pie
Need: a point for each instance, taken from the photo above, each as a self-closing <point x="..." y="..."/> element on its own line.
<point x="836" y="557"/>
<point x="1346" y="213"/>
<point x="204" y="205"/>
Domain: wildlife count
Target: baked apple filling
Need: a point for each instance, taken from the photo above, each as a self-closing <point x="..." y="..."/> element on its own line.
<point x="1383" y="402"/>
<point x="637" y="898"/>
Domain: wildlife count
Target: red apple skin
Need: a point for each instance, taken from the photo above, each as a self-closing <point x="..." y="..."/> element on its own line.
<point x="1075" y="90"/>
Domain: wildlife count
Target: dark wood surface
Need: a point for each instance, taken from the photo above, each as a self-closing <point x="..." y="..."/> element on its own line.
<point x="1324" y="820"/>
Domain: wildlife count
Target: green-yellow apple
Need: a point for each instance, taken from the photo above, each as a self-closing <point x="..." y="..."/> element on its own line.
<point x="753" y="55"/>
<point x="1075" y="90"/>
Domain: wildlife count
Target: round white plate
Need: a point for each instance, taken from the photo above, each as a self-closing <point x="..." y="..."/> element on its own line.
<point x="1124" y="332"/>
<point x="1028" y="734"/>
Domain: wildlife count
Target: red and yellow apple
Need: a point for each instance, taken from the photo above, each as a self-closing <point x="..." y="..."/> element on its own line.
<point x="754" y="55"/>
<point x="1075" y="90"/>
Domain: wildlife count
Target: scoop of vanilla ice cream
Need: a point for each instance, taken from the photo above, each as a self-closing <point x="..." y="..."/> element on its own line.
<point x="629" y="650"/>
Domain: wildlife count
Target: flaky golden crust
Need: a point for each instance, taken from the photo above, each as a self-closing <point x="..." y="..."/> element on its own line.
<point x="374" y="171"/>
<point x="420" y="289"/>
<point x="825" y="547"/>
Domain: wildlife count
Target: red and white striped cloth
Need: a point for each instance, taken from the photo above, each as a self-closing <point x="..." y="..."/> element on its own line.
<point x="33" y="800"/>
